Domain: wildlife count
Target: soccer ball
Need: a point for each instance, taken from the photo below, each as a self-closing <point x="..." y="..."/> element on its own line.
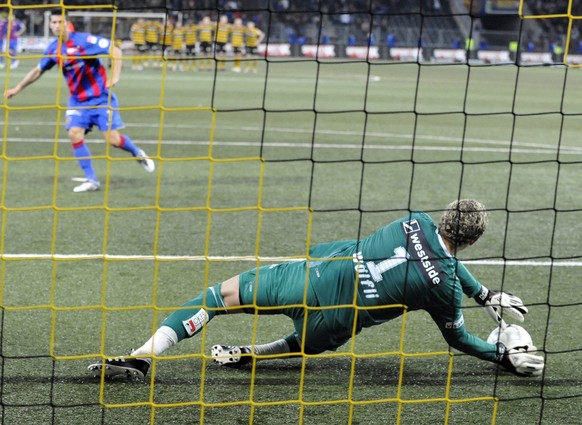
<point x="512" y="336"/>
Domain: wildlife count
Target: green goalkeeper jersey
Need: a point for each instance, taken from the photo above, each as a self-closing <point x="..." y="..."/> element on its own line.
<point x="404" y="263"/>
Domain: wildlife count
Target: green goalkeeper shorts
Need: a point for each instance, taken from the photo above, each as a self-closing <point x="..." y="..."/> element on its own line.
<point x="282" y="289"/>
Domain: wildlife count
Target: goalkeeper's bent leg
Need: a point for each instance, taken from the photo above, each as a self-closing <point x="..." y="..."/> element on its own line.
<point x="164" y="338"/>
<point x="185" y="323"/>
<point x="237" y="356"/>
<point x="280" y="346"/>
<point x="290" y="344"/>
<point x="294" y="343"/>
<point x="179" y="325"/>
<point x="188" y="322"/>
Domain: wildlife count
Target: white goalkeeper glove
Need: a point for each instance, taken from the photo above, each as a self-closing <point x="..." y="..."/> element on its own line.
<point x="495" y="302"/>
<point x="515" y="351"/>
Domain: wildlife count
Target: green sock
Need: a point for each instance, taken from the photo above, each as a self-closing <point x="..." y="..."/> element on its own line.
<point x="188" y="322"/>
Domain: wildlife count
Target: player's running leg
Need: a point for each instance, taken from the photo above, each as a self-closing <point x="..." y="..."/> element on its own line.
<point x="237" y="62"/>
<point x="109" y="122"/>
<point x="83" y="155"/>
<point x="123" y="141"/>
<point x="80" y="150"/>
<point x="13" y="51"/>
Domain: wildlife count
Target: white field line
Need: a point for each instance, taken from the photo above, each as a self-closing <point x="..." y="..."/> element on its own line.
<point x="295" y="130"/>
<point x="250" y="258"/>
<point x="543" y="150"/>
<point x="368" y="134"/>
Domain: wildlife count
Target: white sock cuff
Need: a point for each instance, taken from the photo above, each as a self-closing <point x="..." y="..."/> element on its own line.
<point x="164" y="338"/>
<point x="169" y="333"/>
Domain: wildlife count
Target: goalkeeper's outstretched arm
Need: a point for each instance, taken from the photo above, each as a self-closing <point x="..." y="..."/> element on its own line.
<point x="457" y="336"/>
<point x="496" y="303"/>
<point x="513" y="349"/>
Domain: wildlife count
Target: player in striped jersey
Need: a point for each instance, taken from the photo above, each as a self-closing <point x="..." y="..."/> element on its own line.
<point x="166" y="34"/>
<point x="11" y="30"/>
<point x="152" y="37"/>
<point x="92" y="103"/>
<point x="220" y="40"/>
<point x="253" y="37"/>
<point x="178" y="44"/>
<point x="237" y="34"/>
<point x="191" y="38"/>
<point x="137" y="35"/>
<point x="206" y="35"/>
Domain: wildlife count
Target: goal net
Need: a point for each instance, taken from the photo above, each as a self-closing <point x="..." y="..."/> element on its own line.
<point x="346" y="116"/>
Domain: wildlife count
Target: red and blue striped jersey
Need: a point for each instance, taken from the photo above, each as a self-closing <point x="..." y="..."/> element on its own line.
<point x="15" y="27"/>
<point x="86" y="76"/>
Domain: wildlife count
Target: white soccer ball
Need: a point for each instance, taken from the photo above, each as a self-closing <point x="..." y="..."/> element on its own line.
<point x="512" y="336"/>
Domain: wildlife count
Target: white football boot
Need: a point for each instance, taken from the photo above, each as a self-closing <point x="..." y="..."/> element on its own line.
<point x="131" y="368"/>
<point x="146" y="162"/>
<point x="86" y="186"/>
<point x="231" y="355"/>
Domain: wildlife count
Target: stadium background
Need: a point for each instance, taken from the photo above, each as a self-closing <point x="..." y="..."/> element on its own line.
<point x="387" y="26"/>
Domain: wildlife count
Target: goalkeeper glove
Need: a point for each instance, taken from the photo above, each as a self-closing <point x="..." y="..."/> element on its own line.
<point x="515" y="352"/>
<point x="494" y="302"/>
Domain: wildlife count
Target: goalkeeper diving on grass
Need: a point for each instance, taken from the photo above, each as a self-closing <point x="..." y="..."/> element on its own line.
<point x="346" y="286"/>
<point x="91" y="102"/>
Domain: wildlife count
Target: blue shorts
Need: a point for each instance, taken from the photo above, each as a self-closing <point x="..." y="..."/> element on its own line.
<point x="95" y="112"/>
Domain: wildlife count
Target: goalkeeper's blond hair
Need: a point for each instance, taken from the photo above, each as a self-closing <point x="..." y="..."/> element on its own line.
<point x="463" y="222"/>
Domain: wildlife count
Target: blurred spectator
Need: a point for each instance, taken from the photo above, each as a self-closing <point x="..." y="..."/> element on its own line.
<point x="301" y="19"/>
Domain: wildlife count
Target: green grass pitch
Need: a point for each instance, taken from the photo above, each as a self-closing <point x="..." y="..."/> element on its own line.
<point x="342" y="154"/>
